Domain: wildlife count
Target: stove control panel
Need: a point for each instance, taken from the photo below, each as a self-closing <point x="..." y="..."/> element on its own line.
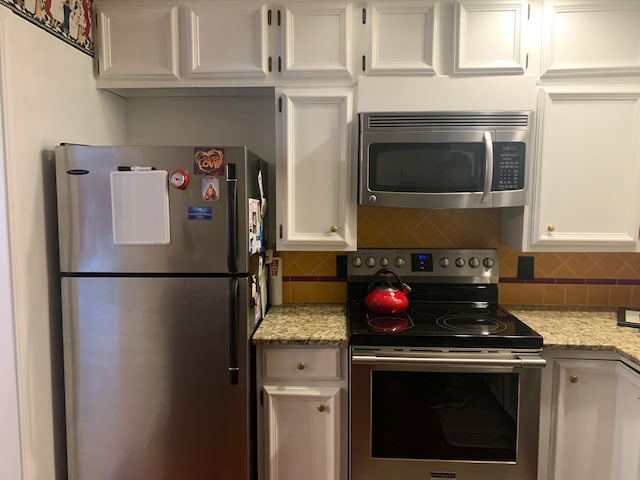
<point x="425" y="265"/>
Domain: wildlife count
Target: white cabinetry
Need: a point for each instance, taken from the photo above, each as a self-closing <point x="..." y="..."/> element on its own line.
<point x="138" y="42"/>
<point x="224" y="43"/>
<point x="586" y="175"/>
<point x="224" y="40"/>
<point x="626" y="440"/>
<point x="591" y="38"/>
<point x="401" y="37"/>
<point x="316" y="164"/>
<point x="303" y="391"/>
<point x="316" y="40"/>
<point x="590" y="418"/>
<point x="490" y="37"/>
<point x="584" y="418"/>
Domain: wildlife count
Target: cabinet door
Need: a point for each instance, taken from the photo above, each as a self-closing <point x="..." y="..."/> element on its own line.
<point x="584" y="413"/>
<point x="402" y="37"/>
<point x="316" y="40"/>
<point x="626" y="442"/>
<point x="225" y="40"/>
<point x="586" y="188"/>
<point x="591" y="38"/>
<point x="316" y="170"/>
<point x="303" y="432"/>
<point x="138" y="42"/>
<point x="489" y="36"/>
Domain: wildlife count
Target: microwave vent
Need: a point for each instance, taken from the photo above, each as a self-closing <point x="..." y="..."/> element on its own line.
<point x="439" y="120"/>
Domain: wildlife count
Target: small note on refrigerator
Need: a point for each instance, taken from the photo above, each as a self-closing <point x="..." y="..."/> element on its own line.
<point x="140" y="207"/>
<point x="255" y="227"/>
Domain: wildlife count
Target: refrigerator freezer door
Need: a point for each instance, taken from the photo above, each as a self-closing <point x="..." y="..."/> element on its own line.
<point x="208" y="214"/>
<point x="149" y="394"/>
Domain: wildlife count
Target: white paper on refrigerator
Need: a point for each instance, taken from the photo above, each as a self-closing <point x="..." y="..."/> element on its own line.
<point x="140" y="207"/>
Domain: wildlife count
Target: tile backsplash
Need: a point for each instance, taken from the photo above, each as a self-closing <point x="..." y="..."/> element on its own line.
<point x="603" y="279"/>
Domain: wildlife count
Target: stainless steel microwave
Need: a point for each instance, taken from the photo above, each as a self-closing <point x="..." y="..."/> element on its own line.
<point x="444" y="159"/>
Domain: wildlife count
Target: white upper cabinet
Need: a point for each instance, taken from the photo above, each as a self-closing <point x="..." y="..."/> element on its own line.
<point x="316" y="170"/>
<point x="225" y="40"/>
<point x="225" y="43"/>
<point x="316" y="40"/>
<point x="489" y="37"/>
<point x="586" y="194"/>
<point x="138" y="42"/>
<point x="591" y="38"/>
<point x="401" y="38"/>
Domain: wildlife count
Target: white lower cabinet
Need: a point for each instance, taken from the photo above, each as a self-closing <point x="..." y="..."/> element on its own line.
<point x="626" y="439"/>
<point x="590" y="419"/>
<point x="302" y="413"/>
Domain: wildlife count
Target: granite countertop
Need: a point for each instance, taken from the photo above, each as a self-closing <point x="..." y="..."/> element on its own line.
<point x="584" y="328"/>
<point x="304" y="324"/>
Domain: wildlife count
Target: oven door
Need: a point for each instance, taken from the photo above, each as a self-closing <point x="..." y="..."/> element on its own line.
<point x="426" y="415"/>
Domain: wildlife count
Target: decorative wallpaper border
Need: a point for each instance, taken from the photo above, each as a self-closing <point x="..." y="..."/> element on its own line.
<point x="68" y="20"/>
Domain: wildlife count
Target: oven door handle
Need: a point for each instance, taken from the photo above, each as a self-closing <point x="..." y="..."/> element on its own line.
<point x="515" y="362"/>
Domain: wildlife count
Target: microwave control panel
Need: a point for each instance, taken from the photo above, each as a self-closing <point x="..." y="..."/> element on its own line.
<point x="508" y="166"/>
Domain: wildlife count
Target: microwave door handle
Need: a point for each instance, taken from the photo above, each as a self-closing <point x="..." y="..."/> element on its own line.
<point x="488" y="166"/>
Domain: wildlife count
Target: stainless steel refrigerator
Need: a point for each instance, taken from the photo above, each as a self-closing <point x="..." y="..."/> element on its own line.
<point x="160" y="260"/>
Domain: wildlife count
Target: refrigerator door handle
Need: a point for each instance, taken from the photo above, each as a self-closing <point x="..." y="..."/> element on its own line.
<point x="232" y="218"/>
<point x="233" y="332"/>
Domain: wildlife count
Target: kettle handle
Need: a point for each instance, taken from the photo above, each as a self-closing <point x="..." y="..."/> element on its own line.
<point x="384" y="271"/>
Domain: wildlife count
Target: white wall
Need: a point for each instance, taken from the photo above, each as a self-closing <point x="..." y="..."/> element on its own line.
<point x="49" y="97"/>
<point x="214" y="120"/>
<point x="10" y="465"/>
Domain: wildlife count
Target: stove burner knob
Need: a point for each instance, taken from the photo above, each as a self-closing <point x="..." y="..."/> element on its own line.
<point x="384" y="262"/>
<point x="356" y="262"/>
<point x="370" y="262"/>
<point x="399" y="262"/>
<point x="444" y="262"/>
<point x="459" y="262"/>
<point x="474" y="262"/>
<point x="488" y="262"/>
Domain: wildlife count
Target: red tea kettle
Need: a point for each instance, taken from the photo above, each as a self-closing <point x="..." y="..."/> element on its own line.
<point x="384" y="297"/>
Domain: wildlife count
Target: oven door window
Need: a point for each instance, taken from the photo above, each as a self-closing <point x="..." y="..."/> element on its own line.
<point x="444" y="416"/>
<point x="427" y="167"/>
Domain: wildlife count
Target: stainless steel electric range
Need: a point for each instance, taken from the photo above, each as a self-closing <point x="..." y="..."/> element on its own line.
<point x="449" y="388"/>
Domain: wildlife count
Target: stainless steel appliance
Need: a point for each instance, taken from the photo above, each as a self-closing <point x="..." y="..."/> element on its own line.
<point x="160" y="263"/>
<point x="444" y="159"/>
<point x="448" y="389"/>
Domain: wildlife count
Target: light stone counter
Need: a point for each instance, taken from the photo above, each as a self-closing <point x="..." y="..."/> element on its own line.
<point x="304" y="324"/>
<point x="583" y="328"/>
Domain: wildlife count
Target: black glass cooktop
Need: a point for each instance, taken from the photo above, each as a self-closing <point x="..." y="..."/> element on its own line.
<point x="464" y="325"/>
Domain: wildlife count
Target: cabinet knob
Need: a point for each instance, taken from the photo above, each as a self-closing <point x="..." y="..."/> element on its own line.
<point x="573" y="379"/>
<point x="333" y="229"/>
<point x="551" y="227"/>
<point x="321" y="408"/>
<point x="300" y="366"/>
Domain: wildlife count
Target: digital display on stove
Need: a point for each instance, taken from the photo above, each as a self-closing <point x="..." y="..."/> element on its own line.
<point x="422" y="262"/>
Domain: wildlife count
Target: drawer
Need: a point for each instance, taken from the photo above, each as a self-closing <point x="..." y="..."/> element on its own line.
<point x="304" y="362"/>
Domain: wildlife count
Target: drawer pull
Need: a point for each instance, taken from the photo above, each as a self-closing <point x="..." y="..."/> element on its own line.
<point x="321" y="408"/>
<point x="300" y="366"/>
<point x="573" y="379"/>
